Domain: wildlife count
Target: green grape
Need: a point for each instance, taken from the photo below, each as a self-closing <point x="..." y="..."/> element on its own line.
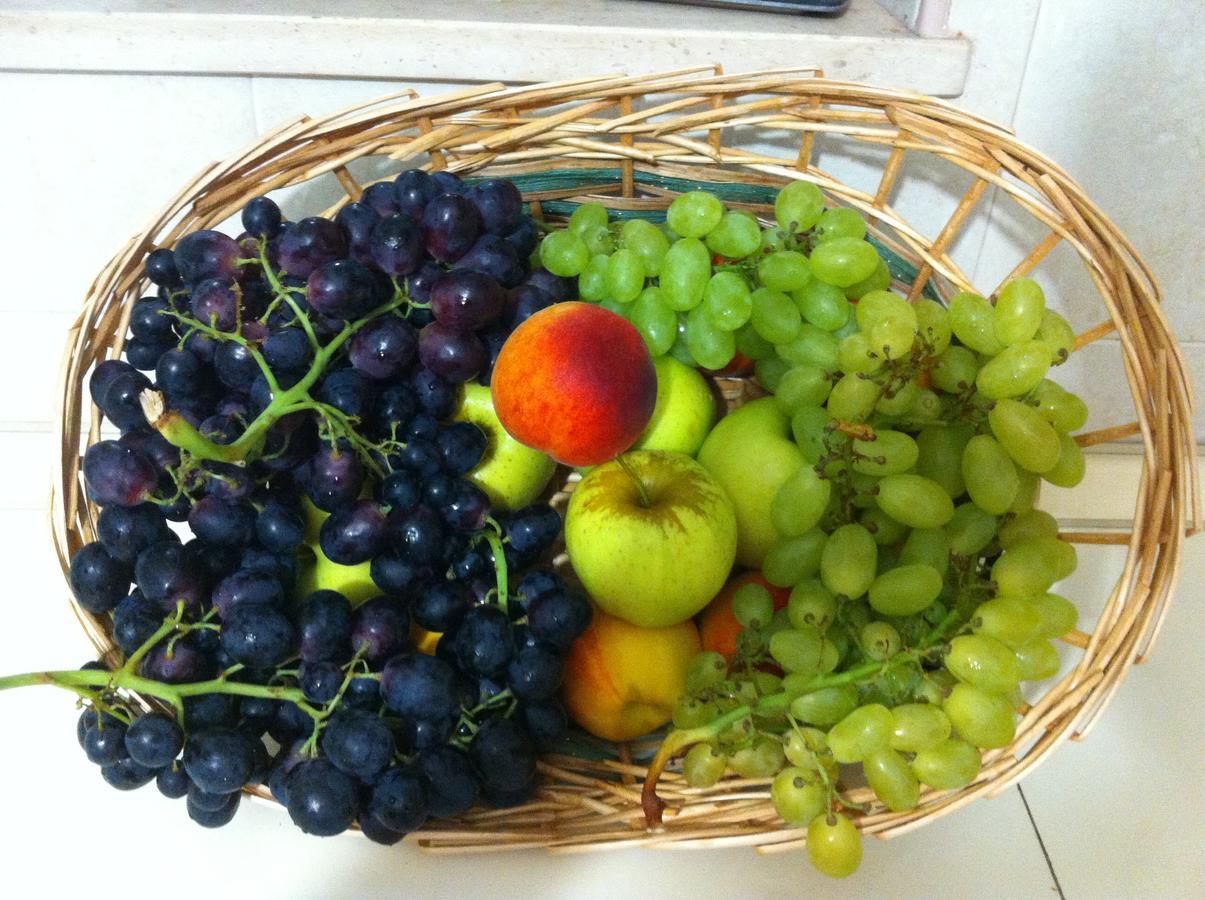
<point x="848" y="561"/>
<point x="981" y="718"/>
<point x="790" y="560"/>
<point x="884" y="529"/>
<point x="919" y="726"/>
<point x="925" y="407"/>
<point x="852" y="399"/>
<point x="769" y="371"/>
<point x="752" y="344"/>
<point x="564" y="253"/>
<point x="592" y="282"/>
<point x="1010" y="620"/>
<point x="598" y="240"/>
<point x="1056" y="615"/>
<point x="933" y="325"/>
<point x="897" y="401"/>
<point x="1028" y="438"/>
<point x="915" y="500"/>
<point x="800" y="501"/>
<point x="879" y="640"/>
<point x="1019" y="311"/>
<point x="955" y="370"/>
<point x="691" y="712"/>
<point x="840" y="222"/>
<point x="679" y="349"/>
<point x="622" y="310"/>
<point x="685" y="271"/>
<point x="983" y="662"/>
<point x="1056" y="333"/>
<point x="865" y="487"/>
<point x="893" y="338"/>
<point x="798" y="206"/>
<point x="705" y="670"/>
<point x="884" y="306"/>
<point x="736" y="236"/>
<point x="822" y="305"/>
<point x="1037" y="661"/>
<point x="772" y="239"/>
<point x="752" y="605"/>
<point x="774" y="316"/>
<point x="811" y="345"/>
<point x="808" y="428"/>
<point x="625" y="275"/>
<point x="656" y="322"/>
<point x="784" y="270"/>
<point x="950" y="765"/>
<point x="727" y="300"/>
<point x="1061" y="408"/>
<point x="890" y="453"/>
<point x="1061" y="556"/>
<point x="587" y="216"/>
<point x="703" y="766"/>
<point x="797" y="649"/>
<point x="834" y="845"/>
<point x="927" y="546"/>
<point x="1027" y="492"/>
<point x="811" y="604"/>
<point x="1024" y="569"/>
<point x="861" y="733"/>
<point x="1031" y="524"/>
<point x="1069" y="470"/>
<point x="711" y="346"/>
<point x="905" y="589"/>
<point x="989" y="474"/>
<point x="1016" y="371"/>
<point x="854" y="355"/>
<point x="939" y="455"/>
<point x="844" y="261"/>
<point x="825" y="707"/>
<point x="972" y="321"/>
<point x="808" y="747"/>
<point x="892" y="779"/>
<point x="798" y="795"/>
<point x="647" y="241"/>
<point x="694" y="214"/>
<point x="761" y="760"/>
<point x="970" y="529"/>
<point x="878" y="280"/>
<point x="802" y="385"/>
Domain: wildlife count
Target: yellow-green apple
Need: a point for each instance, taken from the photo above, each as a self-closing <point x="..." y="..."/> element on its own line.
<point x="621" y="681"/>
<point x="316" y="572"/>
<point x="751" y="453"/>
<point x="512" y="474"/>
<point x="651" y="535"/>
<point x="685" y="409"/>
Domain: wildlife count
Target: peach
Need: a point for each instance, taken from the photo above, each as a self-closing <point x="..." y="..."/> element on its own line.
<point x="718" y="627"/>
<point x="621" y="681"/>
<point x="577" y="382"/>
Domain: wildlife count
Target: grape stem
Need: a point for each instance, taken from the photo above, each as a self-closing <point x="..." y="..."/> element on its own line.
<point x="500" y="569"/>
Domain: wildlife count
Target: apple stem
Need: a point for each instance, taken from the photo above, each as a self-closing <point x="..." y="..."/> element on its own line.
<point x="645" y="500"/>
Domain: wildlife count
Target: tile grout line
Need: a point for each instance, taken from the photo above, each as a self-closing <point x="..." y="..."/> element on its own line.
<point x="1042" y="844"/>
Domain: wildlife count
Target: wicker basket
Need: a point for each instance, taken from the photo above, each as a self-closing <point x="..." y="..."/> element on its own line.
<point x="634" y="143"/>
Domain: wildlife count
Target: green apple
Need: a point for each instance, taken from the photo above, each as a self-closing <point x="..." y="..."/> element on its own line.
<point x="315" y="572"/>
<point x="751" y="453"/>
<point x="512" y="474"/>
<point x="651" y="536"/>
<point x="685" y="409"/>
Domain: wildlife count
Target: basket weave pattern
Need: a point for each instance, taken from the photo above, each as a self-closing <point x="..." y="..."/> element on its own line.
<point x="623" y="141"/>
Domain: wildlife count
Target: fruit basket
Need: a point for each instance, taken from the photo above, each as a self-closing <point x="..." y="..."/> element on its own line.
<point x="633" y="144"/>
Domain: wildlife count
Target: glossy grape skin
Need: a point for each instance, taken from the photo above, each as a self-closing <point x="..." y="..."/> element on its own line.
<point x="161" y="268"/>
<point x="559" y="617"/>
<point x="847" y="563"/>
<point x="892" y="780"/>
<point x="1018" y="312"/>
<point x="321" y="799"/>
<point x="219" y="760"/>
<point x="798" y="206"/>
<point x="126" y="775"/>
<point x="414" y="684"/>
<point x="503" y="756"/>
<point x="450" y="226"/>
<point x="915" y="501"/>
<point x="989" y="474"/>
<point x="257" y="635"/>
<point x="354" y="533"/>
<point x="983" y="662"/>
<point x="98" y="580"/>
<point x="950" y="765"/>
<point x="166" y="574"/>
<point x="981" y="718"/>
<point x="834" y="845"/>
<point x="465" y="300"/>
<point x="483" y="642"/>
<point x="498" y="202"/>
<point x="1015" y="371"/>
<point x="154" y="740"/>
<point x="453" y="355"/>
<point x="333" y="478"/>
<point x="905" y="590"/>
<point x="308" y="244"/>
<point x="206" y="254"/>
<point x="118" y="474"/>
<point x="380" y="628"/>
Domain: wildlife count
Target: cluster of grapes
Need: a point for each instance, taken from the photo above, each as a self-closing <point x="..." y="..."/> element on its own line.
<point x="306" y="375"/>
<point x="919" y="570"/>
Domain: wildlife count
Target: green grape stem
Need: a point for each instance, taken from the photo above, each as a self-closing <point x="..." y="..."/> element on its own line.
<point x="494" y="538"/>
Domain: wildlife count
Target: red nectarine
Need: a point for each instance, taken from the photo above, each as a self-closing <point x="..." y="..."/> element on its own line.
<point x="576" y="381"/>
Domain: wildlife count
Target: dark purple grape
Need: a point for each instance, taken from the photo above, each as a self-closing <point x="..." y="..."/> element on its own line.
<point x="470" y="562"/>
<point x="537" y="583"/>
<point x="545" y="721"/>
<point x="453" y="785"/>
<point x="98" y="580"/>
<point x="222" y="522"/>
<point x="343" y="289"/>
<point x="535" y="672"/>
<point x="173" y="782"/>
<point x="105" y="745"/>
<point x="423" y="427"/>
<point x="380" y="628"/>
<point x="119" y="475"/>
<point x="143" y="355"/>
<point x="154" y="740"/>
<point x="363" y="693"/>
<point x="321" y="799"/>
<point x="484" y="643"/>
<point x="394" y="407"/>
<point x="493" y="256"/>
<point x="288" y="350"/>
<point x="414" y="189"/>
<point x="324" y="627"/>
<point x="396" y="246"/>
<point x="371" y="828"/>
<point x="446" y="182"/>
<point x="354" y="533"/>
<point x="466" y="300"/>
<point x="358" y="220"/>
<point x="384" y="348"/>
<point x="399" y="800"/>
<point x="215" y="302"/>
<point x="207" y="254"/>
<point x="247" y="587"/>
<point x="454" y="356"/>
<point x="432" y="733"/>
<point x="436" y="397"/>
<point x="400" y="491"/>
<point x="291" y="723"/>
<point x="358" y="743"/>
<point x="167" y="574"/>
<point x="310" y="243"/>
<point x="215" y="818"/>
<point x="161" y="268"/>
<point x="461" y="446"/>
<point x="493" y="339"/>
<point x="183" y="663"/>
<point x="257" y="635"/>
<point x="466" y="508"/>
<point x="202" y="346"/>
<point x="180" y="373"/>
<point x="418" y="535"/>
<point x="499" y="203"/>
<point x="419" y="284"/>
<point x="381" y="198"/>
<point x="451" y="224"/>
<point x="319" y="681"/>
<point x="134" y="621"/>
<point x="394" y="574"/>
<point x="419" y="686"/>
<point x="235" y="366"/>
<point x="531" y="531"/>
<point x="527" y="300"/>
<point x="557" y="287"/>
<point x="256" y="714"/>
<point x="441" y="606"/>
<point x="210" y="711"/>
<point x="127" y="775"/>
<point x="558" y="618"/>
<point x="420" y="456"/>
<point x="348" y="391"/>
<point x="219" y="760"/>
<point x="503" y="755"/>
<point x="436" y="490"/>
<point x="204" y="802"/>
<point x="279" y="527"/>
<point x="105" y="373"/>
<point x="148" y="321"/>
<point x="524" y="237"/>
<point x="333" y="478"/>
<point x="261" y="217"/>
<point x="121" y="402"/>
